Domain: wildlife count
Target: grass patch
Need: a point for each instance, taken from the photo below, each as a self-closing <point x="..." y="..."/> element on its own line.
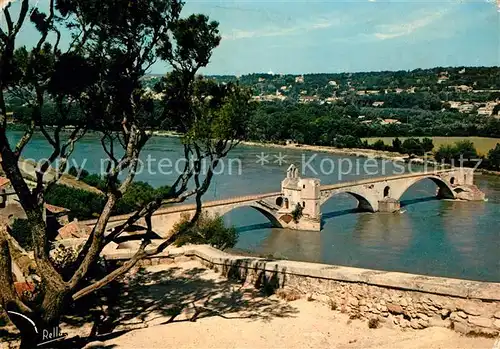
<point x="482" y="144"/>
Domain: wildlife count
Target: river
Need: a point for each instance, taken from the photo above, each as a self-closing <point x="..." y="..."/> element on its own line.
<point x="432" y="237"/>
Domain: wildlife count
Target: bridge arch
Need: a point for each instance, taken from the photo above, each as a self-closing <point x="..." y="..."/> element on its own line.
<point x="364" y="203"/>
<point x="445" y="189"/>
<point x="264" y="211"/>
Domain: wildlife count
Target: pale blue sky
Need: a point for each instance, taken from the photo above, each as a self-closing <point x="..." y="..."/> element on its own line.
<point x="347" y="36"/>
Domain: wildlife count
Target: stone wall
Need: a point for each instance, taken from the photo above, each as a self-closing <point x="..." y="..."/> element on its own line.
<point x="404" y="308"/>
<point x="405" y="300"/>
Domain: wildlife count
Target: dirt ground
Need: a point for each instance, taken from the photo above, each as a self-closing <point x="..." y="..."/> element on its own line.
<point x="184" y="305"/>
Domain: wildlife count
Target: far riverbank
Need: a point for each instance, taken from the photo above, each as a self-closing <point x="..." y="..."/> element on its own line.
<point x="368" y="153"/>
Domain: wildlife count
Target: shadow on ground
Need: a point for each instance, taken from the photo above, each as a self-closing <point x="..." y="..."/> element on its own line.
<point x="151" y="298"/>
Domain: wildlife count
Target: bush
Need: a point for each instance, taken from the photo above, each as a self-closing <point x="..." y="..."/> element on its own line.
<point x="138" y="194"/>
<point x="449" y="153"/>
<point x="21" y="232"/>
<point x="494" y="157"/>
<point x="81" y="203"/>
<point x="373" y="323"/>
<point x="397" y="145"/>
<point x="427" y="144"/>
<point x="446" y="153"/>
<point x="379" y="145"/>
<point x="412" y="146"/>
<point x="206" y="230"/>
<point x="466" y="149"/>
<point x="86" y="205"/>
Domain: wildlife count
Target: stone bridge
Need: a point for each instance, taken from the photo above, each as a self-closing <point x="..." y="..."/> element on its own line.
<point x="298" y="205"/>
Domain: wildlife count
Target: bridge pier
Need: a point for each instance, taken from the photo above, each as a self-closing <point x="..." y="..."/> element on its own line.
<point x="389" y="205"/>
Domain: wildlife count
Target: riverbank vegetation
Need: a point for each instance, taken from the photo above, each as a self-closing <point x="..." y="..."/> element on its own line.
<point x="84" y="204"/>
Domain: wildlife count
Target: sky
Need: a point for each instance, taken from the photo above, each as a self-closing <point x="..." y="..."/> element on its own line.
<point x="333" y="36"/>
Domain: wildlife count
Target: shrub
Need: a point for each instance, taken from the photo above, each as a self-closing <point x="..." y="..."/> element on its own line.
<point x="297" y="213"/>
<point x="379" y="145"/>
<point x="373" y="323"/>
<point x="21" y="232"/>
<point x="412" y="146"/>
<point x="206" y="230"/>
<point x="397" y="145"/>
<point x="427" y="144"/>
<point x="494" y="157"/>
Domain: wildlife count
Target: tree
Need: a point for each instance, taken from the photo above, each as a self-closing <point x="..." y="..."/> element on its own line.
<point x="412" y="146"/>
<point x="379" y="145"/>
<point x="397" y="145"/>
<point x="494" y="157"/>
<point x="446" y="153"/>
<point x="427" y="144"/>
<point x="112" y="45"/>
<point x="496" y="110"/>
<point x="465" y="149"/>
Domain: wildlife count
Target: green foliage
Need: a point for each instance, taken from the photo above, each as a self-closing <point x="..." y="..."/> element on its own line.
<point x="494" y="157"/>
<point x="496" y="110"/>
<point x="379" y="145"/>
<point x="20" y="231"/>
<point x="137" y="195"/>
<point x="206" y="230"/>
<point x="297" y="213"/>
<point x="427" y="144"/>
<point x="454" y="153"/>
<point x="412" y="146"/>
<point x="446" y="153"/>
<point x="397" y="145"/>
<point x="466" y="149"/>
<point x="347" y="141"/>
<point x="81" y="203"/>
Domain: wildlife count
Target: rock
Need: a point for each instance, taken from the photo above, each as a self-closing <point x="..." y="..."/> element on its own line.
<point x="383" y="308"/>
<point x="182" y="259"/>
<point x="455" y="318"/>
<point x="166" y="260"/>
<point x="155" y="261"/>
<point x="422" y="316"/>
<point x="496" y="324"/>
<point x="146" y="262"/>
<point x="497" y="315"/>
<point x="436" y="321"/>
<point x="445" y="312"/>
<point x="362" y="302"/>
<point x="415" y="323"/>
<point x="363" y="308"/>
<point x="403" y="302"/>
<point x="488" y="332"/>
<point x="471" y="308"/>
<point x="461" y="327"/>
<point x="382" y="302"/>
<point x="404" y="323"/>
<point x="481" y="321"/>
<point x="353" y="301"/>
<point x="395" y="308"/>
<point x="423" y="323"/>
<point x="462" y="314"/>
<point x="433" y="308"/>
